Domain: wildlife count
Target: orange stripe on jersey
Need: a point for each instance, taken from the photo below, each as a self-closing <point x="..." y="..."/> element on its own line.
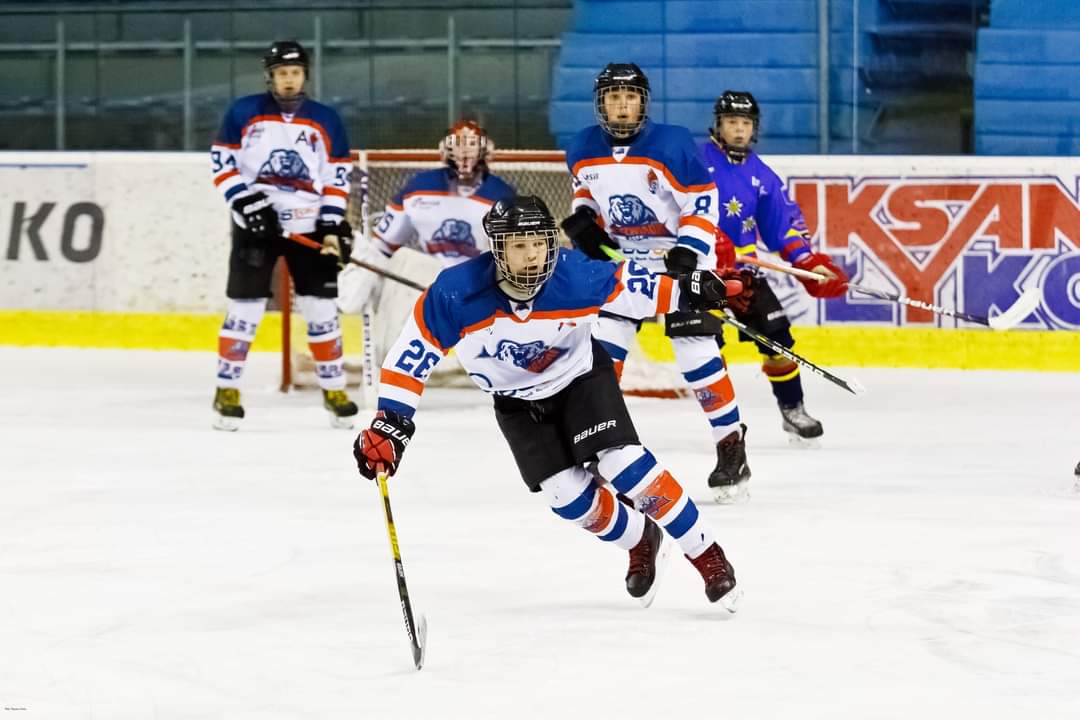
<point x="663" y="300"/>
<point x="536" y="315"/>
<point x="222" y="178"/>
<point x="327" y="350"/>
<point x="336" y="192"/>
<point x="227" y="145"/>
<point x="395" y="206"/>
<point x="294" y="121"/>
<point x="583" y="193"/>
<point x="605" y="510"/>
<point x="418" y="316"/>
<point x="341" y="160"/>
<point x="661" y="495"/>
<point x="645" y="161"/>
<point x="392" y="377"/>
<point x="701" y="223"/>
<point x="618" y="283"/>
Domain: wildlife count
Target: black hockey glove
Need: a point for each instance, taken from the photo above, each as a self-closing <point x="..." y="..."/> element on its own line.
<point x="336" y="237"/>
<point x="706" y="290"/>
<point x="380" y="447"/>
<point x="586" y="235"/>
<point x="680" y="260"/>
<point x="260" y="218"/>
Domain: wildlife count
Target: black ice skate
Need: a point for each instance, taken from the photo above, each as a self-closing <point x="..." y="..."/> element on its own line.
<point x="647" y="561"/>
<point x="228" y="410"/>
<point x="719" y="577"/>
<point x="728" y="480"/>
<point x="800" y="426"/>
<point x="342" y="410"/>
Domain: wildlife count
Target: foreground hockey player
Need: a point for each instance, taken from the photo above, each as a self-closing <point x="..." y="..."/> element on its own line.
<point x="438" y="212"/>
<point x="755" y="208"/>
<point x="282" y="162"/>
<point x="520" y="317"/>
<point x="640" y="188"/>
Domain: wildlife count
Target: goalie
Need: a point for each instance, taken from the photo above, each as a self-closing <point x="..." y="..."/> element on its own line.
<point x="436" y="213"/>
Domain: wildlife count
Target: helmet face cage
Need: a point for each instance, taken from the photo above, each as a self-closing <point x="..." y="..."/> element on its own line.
<point x="464" y="149"/>
<point x="620" y="77"/>
<point x="523" y="219"/>
<point x="530" y="279"/>
<point x="615" y="128"/>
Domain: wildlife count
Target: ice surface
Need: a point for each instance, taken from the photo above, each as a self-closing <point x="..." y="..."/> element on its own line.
<point x="924" y="563"/>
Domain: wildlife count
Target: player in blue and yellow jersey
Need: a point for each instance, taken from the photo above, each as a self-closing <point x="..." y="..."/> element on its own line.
<point x="520" y="318"/>
<point x="282" y="163"/>
<point x="640" y="189"/>
<point x="754" y="207"/>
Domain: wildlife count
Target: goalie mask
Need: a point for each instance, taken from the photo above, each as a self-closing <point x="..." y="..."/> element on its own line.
<point x="735" y="142"/>
<point x="621" y="100"/>
<point x="524" y="243"/>
<point x="464" y="150"/>
<point x="288" y="92"/>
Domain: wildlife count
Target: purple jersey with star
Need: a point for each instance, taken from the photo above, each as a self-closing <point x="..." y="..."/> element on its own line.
<point x="754" y="206"/>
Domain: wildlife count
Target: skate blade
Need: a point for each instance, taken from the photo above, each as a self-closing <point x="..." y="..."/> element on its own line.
<point x="798" y="441"/>
<point x="731" y="494"/>
<point x="662" y="558"/>
<point x="227" y="424"/>
<point x="730" y="602"/>
<point x="342" y="423"/>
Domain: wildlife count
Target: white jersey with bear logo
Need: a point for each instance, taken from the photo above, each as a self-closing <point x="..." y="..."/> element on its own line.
<point x="440" y="217"/>
<point x="650" y="195"/>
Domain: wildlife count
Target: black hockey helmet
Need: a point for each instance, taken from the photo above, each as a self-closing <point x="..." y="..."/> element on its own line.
<point x="742" y="104"/>
<point x="285" y="52"/>
<point x="621" y="76"/>
<point x="281" y="53"/>
<point x="522" y="217"/>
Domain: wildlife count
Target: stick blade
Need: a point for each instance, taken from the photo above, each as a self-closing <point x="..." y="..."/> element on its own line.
<point x="856" y="387"/>
<point x="419" y="651"/>
<point x="1024" y="306"/>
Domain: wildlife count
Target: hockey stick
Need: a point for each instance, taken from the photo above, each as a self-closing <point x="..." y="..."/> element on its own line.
<point x="417" y="631"/>
<point x="1013" y="316"/>
<point x="369" y="378"/>
<point x="316" y="245"/>
<point x="853" y="386"/>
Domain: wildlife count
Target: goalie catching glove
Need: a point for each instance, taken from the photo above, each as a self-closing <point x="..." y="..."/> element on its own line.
<point x="380" y="447"/>
<point x="586" y="235"/>
<point x="822" y="264"/>
<point x="707" y="290"/>
<point x="336" y="238"/>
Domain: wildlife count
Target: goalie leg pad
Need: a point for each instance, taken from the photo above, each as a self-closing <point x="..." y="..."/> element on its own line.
<point x="237" y="332"/>
<point x="692" y="324"/>
<point x="705" y="371"/>
<point x="324" y="339"/>
<point x="636" y="474"/>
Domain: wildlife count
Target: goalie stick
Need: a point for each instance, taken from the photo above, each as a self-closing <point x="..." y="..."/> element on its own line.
<point x="1010" y="318"/>
<point x="417" y="631"/>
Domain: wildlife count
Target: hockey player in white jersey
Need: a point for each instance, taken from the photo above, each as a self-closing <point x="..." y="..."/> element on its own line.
<point x="521" y="318"/>
<point x="282" y="162"/>
<point x="640" y="189"/>
<point x="437" y="212"/>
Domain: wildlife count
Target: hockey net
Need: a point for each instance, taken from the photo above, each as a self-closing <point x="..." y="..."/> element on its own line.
<point x="530" y="172"/>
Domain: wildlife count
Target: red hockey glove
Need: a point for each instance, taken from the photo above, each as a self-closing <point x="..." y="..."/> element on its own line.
<point x="725" y="252"/>
<point x="706" y="290"/>
<point x="823" y="265"/>
<point x="380" y="447"/>
<point x="742" y="301"/>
